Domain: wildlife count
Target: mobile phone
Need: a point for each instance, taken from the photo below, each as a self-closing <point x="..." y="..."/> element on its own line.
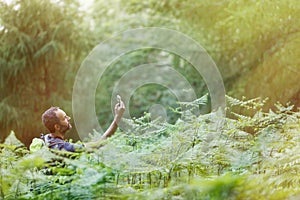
<point x="119" y="99"/>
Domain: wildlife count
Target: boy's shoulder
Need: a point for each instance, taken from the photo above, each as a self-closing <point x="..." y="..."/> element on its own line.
<point x="54" y="143"/>
<point x="44" y="141"/>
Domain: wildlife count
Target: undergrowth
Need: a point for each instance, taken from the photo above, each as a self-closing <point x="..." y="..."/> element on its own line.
<point x="205" y="157"/>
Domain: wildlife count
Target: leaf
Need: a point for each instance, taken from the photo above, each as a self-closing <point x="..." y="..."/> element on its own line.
<point x="12" y="140"/>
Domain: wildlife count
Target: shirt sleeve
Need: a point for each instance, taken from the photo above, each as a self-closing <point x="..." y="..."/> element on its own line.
<point x="72" y="147"/>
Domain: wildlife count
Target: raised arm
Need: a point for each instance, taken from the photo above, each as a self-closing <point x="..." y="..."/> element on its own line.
<point x="119" y="110"/>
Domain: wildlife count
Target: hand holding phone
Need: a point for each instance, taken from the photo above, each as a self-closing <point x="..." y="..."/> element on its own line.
<point x="119" y="99"/>
<point x="119" y="109"/>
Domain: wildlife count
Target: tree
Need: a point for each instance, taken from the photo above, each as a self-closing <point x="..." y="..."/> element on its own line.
<point x="254" y="43"/>
<point x="41" y="46"/>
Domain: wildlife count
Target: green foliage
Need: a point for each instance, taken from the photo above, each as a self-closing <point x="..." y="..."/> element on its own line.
<point x="38" y="54"/>
<point x="149" y="94"/>
<point x="193" y="159"/>
<point x="253" y="154"/>
<point x="254" y="43"/>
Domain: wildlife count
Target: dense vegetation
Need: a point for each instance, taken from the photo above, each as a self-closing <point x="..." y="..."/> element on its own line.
<point x="254" y="44"/>
<point x="251" y="153"/>
<point x="195" y="159"/>
<point x="38" y="55"/>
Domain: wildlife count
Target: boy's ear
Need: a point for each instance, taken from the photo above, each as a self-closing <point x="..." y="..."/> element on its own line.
<point x="56" y="127"/>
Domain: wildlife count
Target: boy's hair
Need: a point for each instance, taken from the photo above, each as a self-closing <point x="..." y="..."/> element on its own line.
<point x="49" y="118"/>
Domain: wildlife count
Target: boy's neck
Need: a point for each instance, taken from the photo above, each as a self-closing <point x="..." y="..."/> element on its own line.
<point x="57" y="135"/>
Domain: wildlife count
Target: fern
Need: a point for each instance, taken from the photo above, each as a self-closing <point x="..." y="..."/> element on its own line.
<point x="190" y="159"/>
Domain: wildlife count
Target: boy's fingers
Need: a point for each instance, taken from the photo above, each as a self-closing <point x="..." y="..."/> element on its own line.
<point x="122" y="104"/>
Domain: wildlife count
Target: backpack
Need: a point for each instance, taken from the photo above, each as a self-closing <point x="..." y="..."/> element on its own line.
<point x="39" y="143"/>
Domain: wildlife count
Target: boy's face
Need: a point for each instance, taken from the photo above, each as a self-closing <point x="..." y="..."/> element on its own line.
<point x="64" y="120"/>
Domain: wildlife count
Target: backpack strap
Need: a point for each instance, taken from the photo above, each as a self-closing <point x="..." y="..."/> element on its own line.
<point x="50" y="144"/>
<point x="54" y="143"/>
<point x="42" y="137"/>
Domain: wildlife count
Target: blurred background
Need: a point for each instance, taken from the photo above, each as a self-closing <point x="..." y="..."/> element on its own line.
<point x="255" y="45"/>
